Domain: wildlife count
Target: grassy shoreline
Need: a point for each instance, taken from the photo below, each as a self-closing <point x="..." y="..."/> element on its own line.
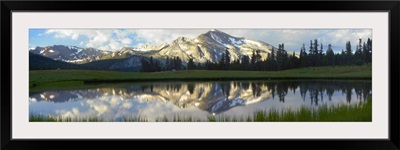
<point x="338" y="113"/>
<point x="39" y="78"/>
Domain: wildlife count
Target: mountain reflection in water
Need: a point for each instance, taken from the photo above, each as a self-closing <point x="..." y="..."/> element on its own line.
<point x="197" y="99"/>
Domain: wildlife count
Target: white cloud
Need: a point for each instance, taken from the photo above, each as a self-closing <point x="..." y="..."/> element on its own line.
<point x="114" y="45"/>
<point x="99" y="39"/>
<point x="126" y="41"/>
<point x="103" y="39"/>
<point x="63" y="33"/>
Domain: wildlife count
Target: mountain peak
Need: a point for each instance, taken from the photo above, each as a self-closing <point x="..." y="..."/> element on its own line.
<point x="215" y="31"/>
<point x="218" y="32"/>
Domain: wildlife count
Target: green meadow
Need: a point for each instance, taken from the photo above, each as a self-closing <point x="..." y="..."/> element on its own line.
<point x="40" y="78"/>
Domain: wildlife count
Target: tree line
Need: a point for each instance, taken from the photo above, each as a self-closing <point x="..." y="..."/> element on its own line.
<point x="153" y="65"/>
<point x="278" y="59"/>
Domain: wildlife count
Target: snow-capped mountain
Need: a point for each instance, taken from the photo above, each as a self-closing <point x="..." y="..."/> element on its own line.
<point x="209" y="46"/>
<point x="72" y="54"/>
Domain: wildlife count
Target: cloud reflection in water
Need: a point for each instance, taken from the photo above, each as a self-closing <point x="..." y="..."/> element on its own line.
<point x="195" y="99"/>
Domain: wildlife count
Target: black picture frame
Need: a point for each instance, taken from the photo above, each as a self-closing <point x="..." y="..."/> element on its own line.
<point x="393" y="7"/>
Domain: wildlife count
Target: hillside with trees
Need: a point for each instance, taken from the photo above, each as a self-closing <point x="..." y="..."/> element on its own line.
<point x="279" y="59"/>
<point x="38" y="62"/>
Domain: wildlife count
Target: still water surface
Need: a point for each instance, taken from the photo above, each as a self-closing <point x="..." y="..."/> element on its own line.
<point x="196" y="99"/>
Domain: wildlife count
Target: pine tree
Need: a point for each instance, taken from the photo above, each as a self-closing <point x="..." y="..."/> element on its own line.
<point x="227" y="56"/>
<point x="227" y="59"/>
<point x="145" y="65"/>
<point x="369" y="49"/>
<point x="358" y="59"/>
<point x="222" y="63"/>
<point x="349" y="53"/>
<point x="208" y="65"/>
<point x="258" y="60"/>
<point x="321" y="56"/>
<point x="311" y="55"/>
<point x="245" y="62"/>
<point x="272" y="61"/>
<point x="273" y="57"/>
<point x="303" y="56"/>
<point x="167" y="64"/>
<point x="316" y="53"/>
<point x="292" y="62"/>
<point x="178" y="63"/>
<point x="365" y="53"/>
<point x="281" y="58"/>
<point x="330" y="56"/>
<point x="191" y="65"/>
<point x="157" y="66"/>
<point x="200" y="66"/>
<point x="253" y="61"/>
<point x="151" y="65"/>
<point x="343" y="58"/>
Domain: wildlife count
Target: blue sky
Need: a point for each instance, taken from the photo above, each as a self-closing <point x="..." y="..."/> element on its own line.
<point x="114" y="39"/>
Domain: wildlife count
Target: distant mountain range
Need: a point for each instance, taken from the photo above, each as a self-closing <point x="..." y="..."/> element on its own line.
<point x="209" y="46"/>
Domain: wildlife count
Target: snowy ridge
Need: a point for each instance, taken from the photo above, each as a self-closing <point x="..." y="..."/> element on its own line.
<point x="71" y="54"/>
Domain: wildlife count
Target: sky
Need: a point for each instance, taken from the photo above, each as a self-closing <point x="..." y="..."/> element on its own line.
<point x="114" y="39"/>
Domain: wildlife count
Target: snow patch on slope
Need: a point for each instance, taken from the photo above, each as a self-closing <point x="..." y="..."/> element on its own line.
<point x="217" y="39"/>
<point x="138" y="49"/>
<point x="236" y="42"/>
<point x="79" y="50"/>
<point x="74" y="61"/>
<point x="188" y="52"/>
<point x="252" y="42"/>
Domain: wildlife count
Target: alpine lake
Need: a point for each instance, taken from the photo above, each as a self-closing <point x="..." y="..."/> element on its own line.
<point x="204" y="101"/>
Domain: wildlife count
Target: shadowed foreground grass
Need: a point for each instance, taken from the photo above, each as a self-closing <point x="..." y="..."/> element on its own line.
<point x="348" y="113"/>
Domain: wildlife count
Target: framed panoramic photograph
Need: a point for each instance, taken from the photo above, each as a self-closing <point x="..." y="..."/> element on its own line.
<point x="124" y="75"/>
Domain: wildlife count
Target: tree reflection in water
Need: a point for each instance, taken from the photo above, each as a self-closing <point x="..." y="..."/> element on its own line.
<point x="218" y="97"/>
